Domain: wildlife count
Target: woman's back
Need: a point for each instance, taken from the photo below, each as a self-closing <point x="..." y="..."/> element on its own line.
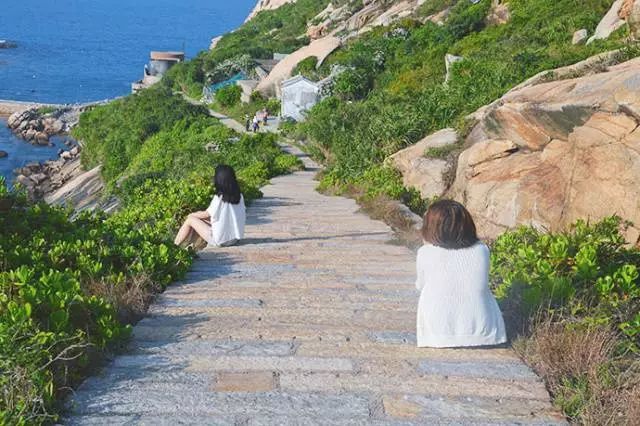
<point x="228" y="221"/>
<point x="456" y="307"/>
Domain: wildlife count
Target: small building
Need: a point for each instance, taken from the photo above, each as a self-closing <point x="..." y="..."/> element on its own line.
<point x="299" y="94"/>
<point x="159" y="64"/>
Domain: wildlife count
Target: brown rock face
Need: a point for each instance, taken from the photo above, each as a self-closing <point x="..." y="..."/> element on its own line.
<point x="422" y="173"/>
<point x="552" y="153"/>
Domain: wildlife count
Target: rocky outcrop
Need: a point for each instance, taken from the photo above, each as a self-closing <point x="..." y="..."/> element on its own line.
<point x="321" y="48"/>
<point x="36" y="128"/>
<point x="40" y="179"/>
<point x="549" y="154"/>
<point x="611" y="22"/>
<point x="267" y="5"/>
<point x="83" y="191"/>
<point x="421" y="172"/>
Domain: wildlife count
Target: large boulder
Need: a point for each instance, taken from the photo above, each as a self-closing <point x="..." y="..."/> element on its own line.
<point x="609" y="23"/>
<point x="552" y="153"/>
<point x="423" y="173"/>
<point x="320" y="48"/>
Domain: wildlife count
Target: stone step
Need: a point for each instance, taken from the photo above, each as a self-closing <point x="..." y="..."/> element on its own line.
<point x="310" y="321"/>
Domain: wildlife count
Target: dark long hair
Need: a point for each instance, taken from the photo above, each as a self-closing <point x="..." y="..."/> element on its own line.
<point x="227" y="185"/>
<point x="449" y="224"/>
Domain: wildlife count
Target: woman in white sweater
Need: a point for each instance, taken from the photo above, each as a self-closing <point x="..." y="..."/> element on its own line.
<point x="222" y="224"/>
<point x="456" y="307"/>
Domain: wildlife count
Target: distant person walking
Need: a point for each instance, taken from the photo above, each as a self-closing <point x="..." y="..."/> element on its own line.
<point x="247" y="122"/>
<point x="222" y="224"/>
<point x="456" y="306"/>
<point x="256" y="123"/>
<point x="265" y="117"/>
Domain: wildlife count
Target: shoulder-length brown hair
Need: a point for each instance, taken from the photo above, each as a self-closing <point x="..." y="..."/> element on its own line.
<point x="449" y="224"/>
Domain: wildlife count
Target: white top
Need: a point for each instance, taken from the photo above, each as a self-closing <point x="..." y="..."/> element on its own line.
<point x="227" y="221"/>
<point x="456" y="307"/>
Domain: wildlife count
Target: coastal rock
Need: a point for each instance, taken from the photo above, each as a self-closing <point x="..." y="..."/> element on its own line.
<point x="549" y="154"/>
<point x="580" y="36"/>
<point x="422" y="173"/>
<point x="30" y="135"/>
<point x="42" y="138"/>
<point x="24" y="181"/>
<point x="17" y="119"/>
<point x="38" y="178"/>
<point x="3" y="154"/>
<point x="214" y="42"/>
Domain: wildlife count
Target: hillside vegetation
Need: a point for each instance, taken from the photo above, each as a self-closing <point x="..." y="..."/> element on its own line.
<point x="392" y="93"/>
<point x="70" y="287"/>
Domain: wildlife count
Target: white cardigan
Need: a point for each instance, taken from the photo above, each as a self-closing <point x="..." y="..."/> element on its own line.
<point x="456" y="307"/>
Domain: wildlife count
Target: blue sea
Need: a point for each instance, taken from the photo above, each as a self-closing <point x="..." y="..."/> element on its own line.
<point x="85" y="50"/>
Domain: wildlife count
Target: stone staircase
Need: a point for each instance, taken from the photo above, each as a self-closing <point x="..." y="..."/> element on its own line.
<point x="310" y="321"/>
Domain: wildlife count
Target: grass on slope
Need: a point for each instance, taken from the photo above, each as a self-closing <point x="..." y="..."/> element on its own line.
<point x="392" y="93"/>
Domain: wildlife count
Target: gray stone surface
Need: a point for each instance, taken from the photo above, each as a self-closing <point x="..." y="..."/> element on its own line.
<point x="310" y="321"/>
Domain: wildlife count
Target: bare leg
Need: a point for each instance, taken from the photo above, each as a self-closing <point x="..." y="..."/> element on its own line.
<point x="193" y="224"/>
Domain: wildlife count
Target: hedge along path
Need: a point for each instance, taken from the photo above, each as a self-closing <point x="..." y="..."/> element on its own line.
<point x="311" y="320"/>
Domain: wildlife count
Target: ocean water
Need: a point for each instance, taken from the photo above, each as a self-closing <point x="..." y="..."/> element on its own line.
<point x="85" y="50"/>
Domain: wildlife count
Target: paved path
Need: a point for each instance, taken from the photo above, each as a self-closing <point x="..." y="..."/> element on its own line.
<point x="311" y="321"/>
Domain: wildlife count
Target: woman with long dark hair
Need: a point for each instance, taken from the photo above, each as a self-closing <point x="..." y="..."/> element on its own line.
<point x="456" y="306"/>
<point x="222" y="224"/>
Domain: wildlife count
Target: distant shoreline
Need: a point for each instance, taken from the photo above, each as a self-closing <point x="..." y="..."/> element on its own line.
<point x="8" y="107"/>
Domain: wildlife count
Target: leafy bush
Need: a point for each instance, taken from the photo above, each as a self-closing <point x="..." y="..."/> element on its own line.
<point x="307" y="68"/>
<point x="229" y="96"/>
<point x="53" y="316"/>
<point x="114" y="133"/>
<point x="588" y="271"/>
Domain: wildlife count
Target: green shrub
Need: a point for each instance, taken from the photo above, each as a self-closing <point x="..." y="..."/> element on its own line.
<point x="588" y="271"/>
<point x="229" y="96"/>
<point x="307" y="68"/>
<point x="114" y="133"/>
